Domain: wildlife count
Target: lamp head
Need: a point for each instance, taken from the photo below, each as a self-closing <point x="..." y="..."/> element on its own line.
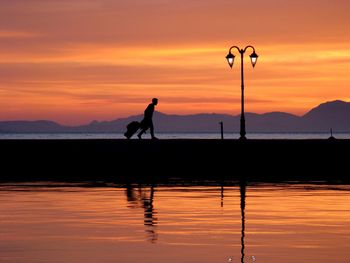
<point x="253" y="58"/>
<point x="230" y="58"/>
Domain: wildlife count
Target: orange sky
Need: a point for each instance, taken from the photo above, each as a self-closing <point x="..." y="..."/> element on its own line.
<point x="76" y="61"/>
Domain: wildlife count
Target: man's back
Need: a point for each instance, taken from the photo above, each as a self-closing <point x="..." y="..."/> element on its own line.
<point x="149" y="111"/>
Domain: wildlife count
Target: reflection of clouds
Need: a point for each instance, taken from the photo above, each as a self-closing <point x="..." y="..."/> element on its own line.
<point x="143" y="198"/>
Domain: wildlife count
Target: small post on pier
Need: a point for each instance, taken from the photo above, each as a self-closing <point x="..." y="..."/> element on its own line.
<point x="222" y="129"/>
<point x="332" y="137"/>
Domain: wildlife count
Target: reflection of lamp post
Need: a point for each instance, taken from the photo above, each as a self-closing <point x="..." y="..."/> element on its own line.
<point x="230" y="59"/>
<point x="242" y="188"/>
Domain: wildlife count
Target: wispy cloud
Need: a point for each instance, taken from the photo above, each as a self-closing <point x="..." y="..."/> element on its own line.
<point x="17" y="34"/>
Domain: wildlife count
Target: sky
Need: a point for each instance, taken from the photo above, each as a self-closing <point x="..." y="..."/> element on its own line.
<point x="74" y="61"/>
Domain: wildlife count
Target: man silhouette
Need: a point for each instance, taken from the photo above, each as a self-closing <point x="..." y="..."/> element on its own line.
<point x="147" y="120"/>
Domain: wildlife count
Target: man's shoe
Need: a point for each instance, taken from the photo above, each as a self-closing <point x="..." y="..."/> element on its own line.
<point x="155" y="138"/>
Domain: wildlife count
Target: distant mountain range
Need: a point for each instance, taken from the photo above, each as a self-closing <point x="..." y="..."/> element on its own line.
<point x="334" y="114"/>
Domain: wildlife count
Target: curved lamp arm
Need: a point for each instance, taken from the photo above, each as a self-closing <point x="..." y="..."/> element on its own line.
<point x="239" y="50"/>
<point x="249" y="47"/>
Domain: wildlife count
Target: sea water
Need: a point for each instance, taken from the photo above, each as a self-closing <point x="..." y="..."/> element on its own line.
<point x="51" y="222"/>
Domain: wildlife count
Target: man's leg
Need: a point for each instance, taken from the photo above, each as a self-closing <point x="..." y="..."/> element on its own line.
<point x="141" y="132"/>
<point x="152" y="131"/>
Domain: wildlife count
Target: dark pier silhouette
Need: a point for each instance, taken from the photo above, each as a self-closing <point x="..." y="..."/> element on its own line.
<point x="122" y="160"/>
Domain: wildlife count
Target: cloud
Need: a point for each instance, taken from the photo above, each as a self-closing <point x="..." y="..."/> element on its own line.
<point x="17" y="34"/>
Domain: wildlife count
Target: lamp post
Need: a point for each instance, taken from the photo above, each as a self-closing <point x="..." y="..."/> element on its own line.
<point x="230" y="59"/>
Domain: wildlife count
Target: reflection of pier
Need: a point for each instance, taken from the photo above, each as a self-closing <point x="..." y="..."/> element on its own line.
<point x="144" y="199"/>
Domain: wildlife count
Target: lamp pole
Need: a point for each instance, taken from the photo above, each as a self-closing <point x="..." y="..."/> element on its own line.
<point x="230" y="59"/>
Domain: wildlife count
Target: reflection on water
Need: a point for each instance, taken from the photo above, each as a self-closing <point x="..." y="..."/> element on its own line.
<point x="149" y="223"/>
<point x="242" y="187"/>
<point x="140" y="198"/>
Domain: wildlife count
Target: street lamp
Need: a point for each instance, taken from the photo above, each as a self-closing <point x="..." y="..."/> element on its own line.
<point x="230" y="59"/>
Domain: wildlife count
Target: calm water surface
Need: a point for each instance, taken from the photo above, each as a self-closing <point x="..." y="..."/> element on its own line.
<point x="238" y="223"/>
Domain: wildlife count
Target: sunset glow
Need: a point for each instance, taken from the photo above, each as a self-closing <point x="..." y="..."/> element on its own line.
<point x="83" y="60"/>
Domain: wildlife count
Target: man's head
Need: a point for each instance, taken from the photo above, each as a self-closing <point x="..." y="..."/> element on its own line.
<point x="155" y="101"/>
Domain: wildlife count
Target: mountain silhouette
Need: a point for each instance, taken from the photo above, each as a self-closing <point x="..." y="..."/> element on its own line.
<point x="30" y="126"/>
<point x="333" y="114"/>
